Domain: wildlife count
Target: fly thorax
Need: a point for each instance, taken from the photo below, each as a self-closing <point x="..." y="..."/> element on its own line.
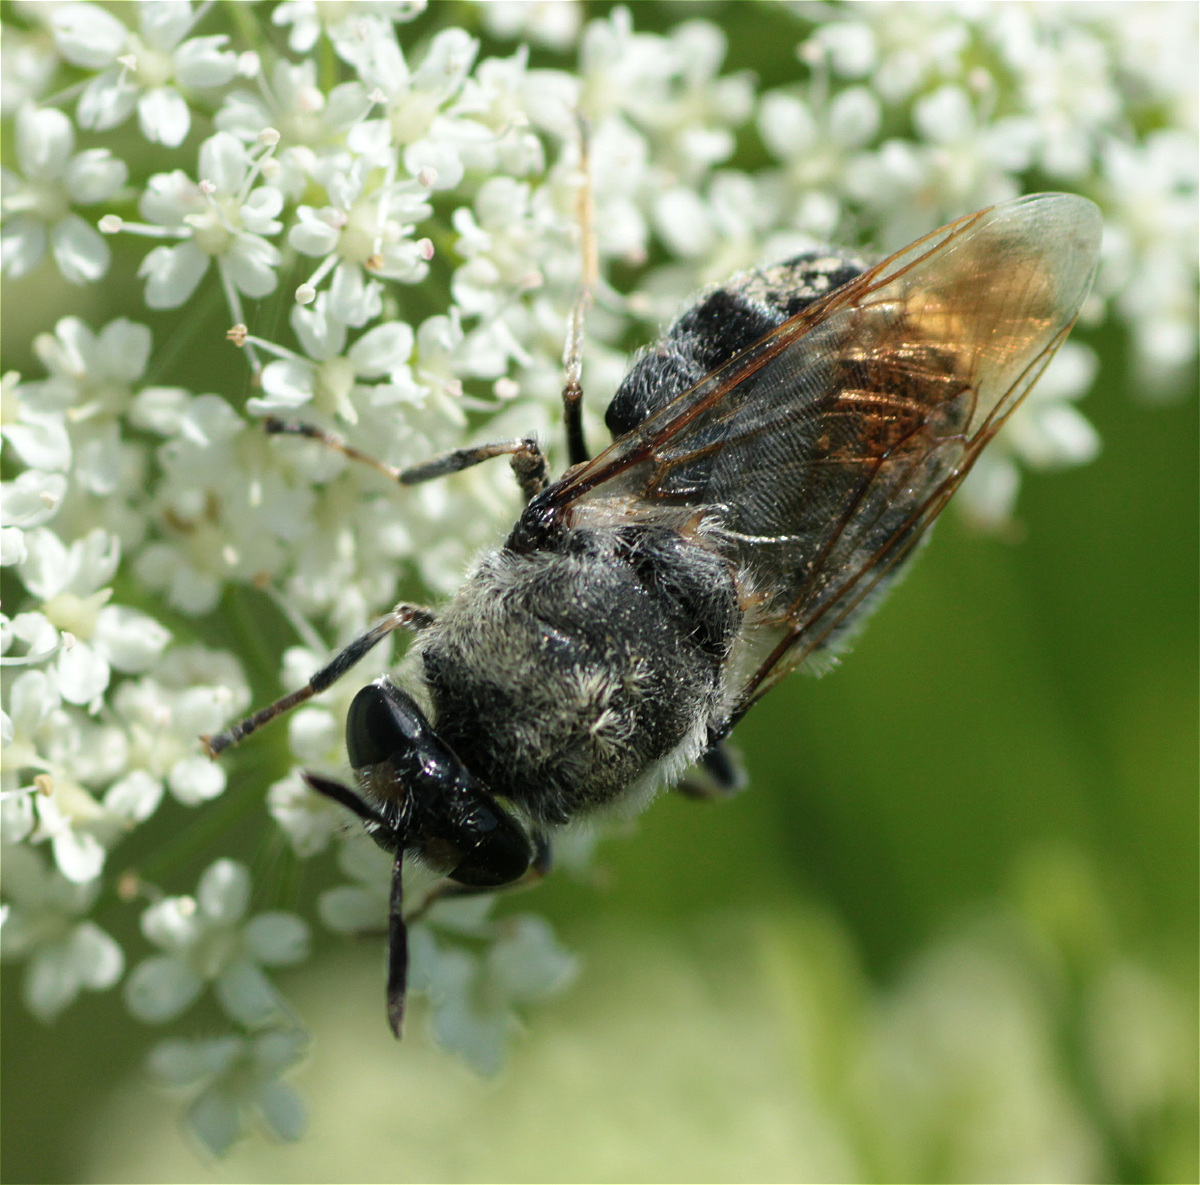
<point x="561" y="676"/>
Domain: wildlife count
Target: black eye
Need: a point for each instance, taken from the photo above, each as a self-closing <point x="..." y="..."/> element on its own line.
<point x="382" y="723"/>
<point x="500" y="851"/>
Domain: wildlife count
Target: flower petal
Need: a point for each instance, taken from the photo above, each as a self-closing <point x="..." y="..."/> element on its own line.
<point x="94" y="176"/>
<point x="41" y="442"/>
<point x="382" y="349"/>
<point x="45" y="141"/>
<point x="135" y="797"/>
<point x="351" y="910"/>
<point x="246" y="994"/>
<point x="98" y="959"/>
<point x="165" y="23"/>
<point x="160" y="988"/>
<point x="79" y="856"/>
<point x="224" y="892"/>
<point x="352" y="298"/>
<point x="51" y="981"/>
<point x="82" y="673"/>
<point x="22" y="245"/>
<point x="223" y="161"/>
<point x="172" y="274"/>
<point x="215" y="1120"/>
<point x="282" y="1110"/>
<point x="123" y="348"/>
<point x="202" y="62"/>
<point x="106" y="101"/>
<point x="194" y="779"/>
<point x="81" y="254"/>
<point x="129" y="639"/>
<point x="172" y="924"/>
<point x="88" y="36"/>
<point x="277" y="938"/>
<point x="251" y="264"/>
<point x="32" y="499"/>
<point x="164" y="117"/>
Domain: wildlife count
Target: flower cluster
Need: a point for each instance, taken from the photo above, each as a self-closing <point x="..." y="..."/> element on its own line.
<point x="394" y="237"/>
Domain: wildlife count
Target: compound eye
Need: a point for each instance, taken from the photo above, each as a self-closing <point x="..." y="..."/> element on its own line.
<point x="382" y="723"/>
<point x="500" y="852"/>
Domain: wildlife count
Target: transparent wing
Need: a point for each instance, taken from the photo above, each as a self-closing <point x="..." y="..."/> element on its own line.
<point x="816" y="459"/>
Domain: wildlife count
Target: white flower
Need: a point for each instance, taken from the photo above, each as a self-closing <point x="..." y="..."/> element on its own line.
<point x="63" y="955"/>
<point x="89" y="371"/>
<point x="235" y="1076"/>
<point x="38" y="202"/>
<point x="556" y="25"/>
<point x="473" y="997"/>
<point x="220" y="516"/>
<point x="70" y="582"/>
<point x="1150" y="253"/>
<point x="344" y="23"/>
<point x="305" y="117"/>
<point x="87" y="391"/>
<point x="73" y="758"/>
<point x="27" y="65"/>
<point x="1045" y="432"/>
<point x="223" y="218"/>
<point x="331" y="381"/>
<point x="191" y="693"/>
<point x="206" y="941"/>
<point x="432" y="143"/>
<point x="32" y="699"/>
<point x="39" y="438"/>
<point x="365" y="233"/>
<point x="310" y="820"/>
<point x="145" y="71"/>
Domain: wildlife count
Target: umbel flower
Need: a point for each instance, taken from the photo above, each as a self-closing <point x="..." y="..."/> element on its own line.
<point x="383" y="213"/>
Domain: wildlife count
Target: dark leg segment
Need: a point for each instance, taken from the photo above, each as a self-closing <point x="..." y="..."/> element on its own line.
<point x="397" y="977"/>
<point x="527" y="460"/>
<point x="347" y="798"/>
<point x="718" y="774"/>
<point x="572" y="397"/>
<point x="402" y="617"/>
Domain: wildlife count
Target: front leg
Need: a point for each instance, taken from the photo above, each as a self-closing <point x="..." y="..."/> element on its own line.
<point x="527" y="459"/>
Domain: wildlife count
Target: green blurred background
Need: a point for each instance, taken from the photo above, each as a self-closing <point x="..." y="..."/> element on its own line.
<point x="1014" y="737"/>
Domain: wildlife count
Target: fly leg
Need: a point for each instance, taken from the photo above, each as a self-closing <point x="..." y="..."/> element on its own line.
<point x="403" y="616"/>
<point x="527" y="459"/>
<point x="718" y="774"/>
<point x="572" y="394"/>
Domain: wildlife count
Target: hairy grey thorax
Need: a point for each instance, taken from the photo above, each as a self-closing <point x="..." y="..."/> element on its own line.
<point x="562" y="675"/>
